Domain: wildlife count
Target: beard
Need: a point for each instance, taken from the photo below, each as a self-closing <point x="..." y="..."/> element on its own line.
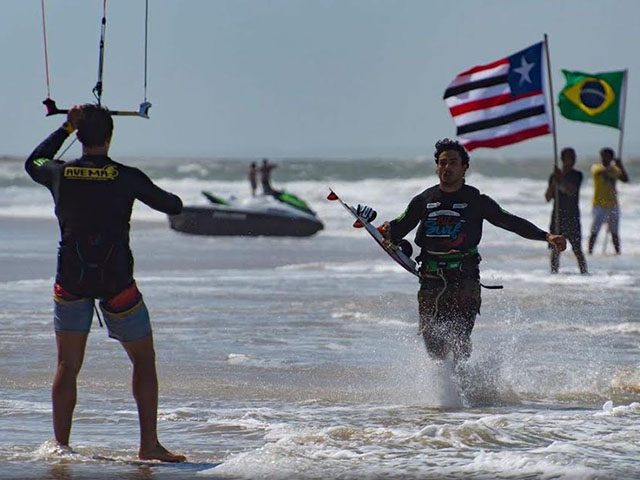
<point x="450" y="179"/>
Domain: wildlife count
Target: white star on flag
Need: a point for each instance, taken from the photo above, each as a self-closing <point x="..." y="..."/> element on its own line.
<point x="524" y="70"/>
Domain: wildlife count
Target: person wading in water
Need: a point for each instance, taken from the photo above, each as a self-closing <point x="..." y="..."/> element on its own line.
<point x="93" y="198"/>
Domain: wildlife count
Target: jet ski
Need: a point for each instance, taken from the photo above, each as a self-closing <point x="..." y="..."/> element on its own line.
<point x="278" y="214"/>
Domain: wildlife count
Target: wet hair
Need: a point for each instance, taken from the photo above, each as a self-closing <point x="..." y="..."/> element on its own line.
<point x="568" y="150"/>
<point x="448" y="144"/>
<point x="95" y="125"/>
<point x="607" y="150"/>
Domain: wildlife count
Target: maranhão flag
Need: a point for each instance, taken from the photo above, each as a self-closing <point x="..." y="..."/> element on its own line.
<point x="502" y="102"/>
<point x="594" y="97"/>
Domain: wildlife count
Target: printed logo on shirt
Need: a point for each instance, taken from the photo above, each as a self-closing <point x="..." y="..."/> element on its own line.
<point x="460" y="205"/>
<point x="110" y="172"/>
<point x="38" y="162"/>
<point x="433" y="205"/>
<point x="444" y="223"/>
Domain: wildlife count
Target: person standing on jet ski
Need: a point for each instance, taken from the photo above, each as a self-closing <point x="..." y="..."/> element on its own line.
<point x="265" y="176"/>
<point x="253" y="178"/>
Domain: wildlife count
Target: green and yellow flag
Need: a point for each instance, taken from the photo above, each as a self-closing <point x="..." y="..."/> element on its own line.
<point x="594" y="98"/>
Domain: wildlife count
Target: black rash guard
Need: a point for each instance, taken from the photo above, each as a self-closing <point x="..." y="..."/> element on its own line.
<point x="452" y="221"/>
<point x="93" y="198"/>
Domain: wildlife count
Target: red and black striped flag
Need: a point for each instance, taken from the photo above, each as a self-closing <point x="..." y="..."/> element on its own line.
<point x="502" y="102"/>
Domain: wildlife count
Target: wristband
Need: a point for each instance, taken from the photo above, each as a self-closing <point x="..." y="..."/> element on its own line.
<point x="67" y="127"/>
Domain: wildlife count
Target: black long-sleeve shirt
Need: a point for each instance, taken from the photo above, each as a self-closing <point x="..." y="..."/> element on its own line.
<point x="452" y="221"/>
<point x="93" y="198"/>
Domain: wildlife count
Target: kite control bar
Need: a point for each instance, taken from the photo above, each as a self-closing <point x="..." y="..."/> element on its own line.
<point x="52" y="108"/>
<point x="143" y="111"/>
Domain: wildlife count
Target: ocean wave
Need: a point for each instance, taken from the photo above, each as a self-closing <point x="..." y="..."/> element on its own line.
<point x="531" y="445"/>
<point x="604" y="330"/>
<point x="367" y="318"/>
<point x="608" y="410"/>
<point x="614" y="279"/>
<point x="383" y="184"/>
<point x="377" y="266"/>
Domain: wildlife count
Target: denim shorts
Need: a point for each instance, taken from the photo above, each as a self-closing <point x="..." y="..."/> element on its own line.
<point x="124" y="324"/>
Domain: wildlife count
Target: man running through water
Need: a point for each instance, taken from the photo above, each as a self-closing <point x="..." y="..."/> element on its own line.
<point x="450" y="217"/>
<point x="93" y="198"/>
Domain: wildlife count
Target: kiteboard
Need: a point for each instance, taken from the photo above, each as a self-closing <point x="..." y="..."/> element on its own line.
<point x="391" y="249"/>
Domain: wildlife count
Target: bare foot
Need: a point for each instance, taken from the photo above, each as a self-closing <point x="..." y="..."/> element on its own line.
<point x="158" y="452"/>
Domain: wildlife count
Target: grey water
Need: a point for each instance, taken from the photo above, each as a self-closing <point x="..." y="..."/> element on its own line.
<point x="298" y="358"/>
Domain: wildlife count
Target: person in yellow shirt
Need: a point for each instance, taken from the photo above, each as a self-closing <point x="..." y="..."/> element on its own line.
<point x="605" y="196"/>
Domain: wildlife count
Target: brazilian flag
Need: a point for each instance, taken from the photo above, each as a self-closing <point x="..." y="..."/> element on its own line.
<point x="593" y="98"/>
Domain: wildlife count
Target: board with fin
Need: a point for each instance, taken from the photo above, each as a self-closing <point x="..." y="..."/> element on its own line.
<point x="400" y="257"/>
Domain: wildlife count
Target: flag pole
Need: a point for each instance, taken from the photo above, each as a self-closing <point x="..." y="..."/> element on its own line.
<point x="623" y="113"/>
<point x="555" y="139"/>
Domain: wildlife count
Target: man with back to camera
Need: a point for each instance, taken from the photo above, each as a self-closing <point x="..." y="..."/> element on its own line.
<point x="450" y="217"/>
<point x="605" y="196"/>
<point x="568" y="181"/>
<point x="265" y="176"/>
<point x="93" y="198"/>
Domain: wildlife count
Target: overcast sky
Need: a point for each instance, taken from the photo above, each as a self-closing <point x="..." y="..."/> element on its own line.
<point x="287" y="78"/>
